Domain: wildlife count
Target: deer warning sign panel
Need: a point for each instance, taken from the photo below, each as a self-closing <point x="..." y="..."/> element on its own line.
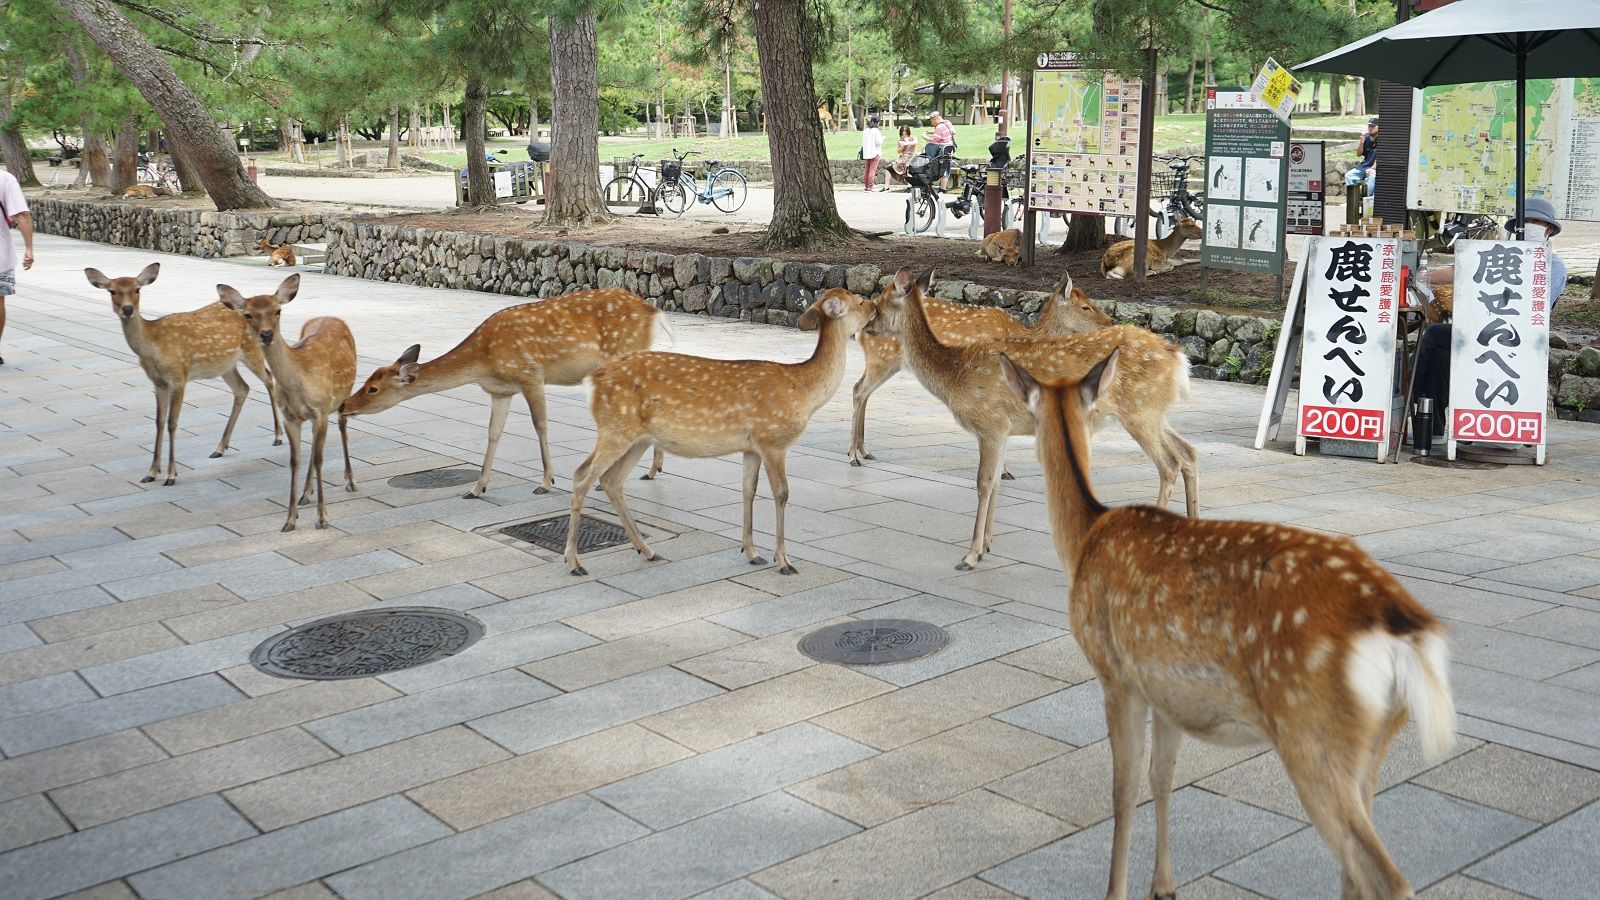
<point x="1347" y="364"/>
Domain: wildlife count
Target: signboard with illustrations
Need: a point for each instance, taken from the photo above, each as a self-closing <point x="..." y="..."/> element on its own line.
<point x="1246" y="167"/>
<point x="1083" y="139"/>
<point x="1347" y="362"/>
<point x="1500" y="344"/>
<point x="1307" y="203"/>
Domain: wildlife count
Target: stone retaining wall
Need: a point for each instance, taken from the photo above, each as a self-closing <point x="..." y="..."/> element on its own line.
<point x="166" y="230"/>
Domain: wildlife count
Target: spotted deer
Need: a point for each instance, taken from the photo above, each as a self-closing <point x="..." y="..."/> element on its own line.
<point x="314" y="377"/>
<point x="175" y="349"/>
<point x="969" y="382"/>
<point x="1002" y="247"/>
<point x="279" y="255"/>
<point x="1068" y="311"/>
<point x="519" y="350"/>
<point x="698" y="407"/>
<point x="1236" y="633"/>
<point x="1161" y="254"/>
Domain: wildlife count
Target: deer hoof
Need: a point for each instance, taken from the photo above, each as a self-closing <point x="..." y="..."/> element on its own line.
<point x="964" y="566"/>
<point x="656" y="557"/>
<point x="147" y="479"/>
<point x="287" y="526"/>
<point x="169" y="482"/>
<point x="471" y="495"/>
<point x="322" y="524"/>
<point x="758" y="560"/>
<point x="216" y="454"/>
<point x="350" y="486"/>
<point x="788" y="570"/>
<point x="1007" y="476"/>
<point x="580" y="571"/>
<point x="541" y="489"/>
<point x="856" y="463"/>
<point x="647" y="477"/>
<point x="277" y="442"/>
<point x="869" y="456"/>
<point x="1169" y="895"/>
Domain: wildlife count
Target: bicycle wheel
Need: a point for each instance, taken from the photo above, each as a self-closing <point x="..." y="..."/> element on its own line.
<point x="624" y="196"/>
<point x="923" y="211"/>
<point x="728" y="190"/>
<point x="675" y="197"/>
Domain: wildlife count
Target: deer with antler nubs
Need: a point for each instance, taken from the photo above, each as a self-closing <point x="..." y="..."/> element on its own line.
<point x="1236" y="633"/>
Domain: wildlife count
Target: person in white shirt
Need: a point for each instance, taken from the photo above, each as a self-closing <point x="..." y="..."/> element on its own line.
<point x="872" y="152"/>
<point x="14" y="209"/>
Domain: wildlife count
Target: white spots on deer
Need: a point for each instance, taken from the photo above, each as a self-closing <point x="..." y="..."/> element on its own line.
<point x="1277" y="621"/>
<point x="1319" y="654"/>
<point x="1299" y="617"/>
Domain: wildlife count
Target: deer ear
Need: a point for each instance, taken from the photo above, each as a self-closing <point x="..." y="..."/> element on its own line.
<point x="408" y="373"/>
<point x="1098" y="379"/>
<point x="903" y="280"/>
<point x="1064" y="287"/>
<point x="288" y="289"/>
<point x="925" y="281"/>
<point x="230" y="298"/>
<point x="1024" y="384"/>
<point x="809" y="320"/>
<point x="149" y="273"/>
<point x="833" y="307"/>
<point x="411" y="354"/>
<point x="97" y="278"/>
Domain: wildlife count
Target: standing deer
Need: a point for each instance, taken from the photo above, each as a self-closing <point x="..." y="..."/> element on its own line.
<point x="314" y="377"/>
<point x="1068" y="311"/>
<point x="519" y="350"/>
<point x="1236" y="633"/>
<point x="178" y="348"/>
<point x="969" y="381"/>
<point x="698" y="407"/>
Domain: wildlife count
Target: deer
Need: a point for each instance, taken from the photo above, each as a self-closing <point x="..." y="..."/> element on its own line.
<point x="314" y="377"/>
<point x="1237" y="633"/>
<point x="1002" y="247"/>
<point x="698" y="408"/>
<point x="279" y="255"/>
<point x="969" y="381"/>
<point x="1068" y="311"/>
<point x="1161" y="254"/>
<point x="519" y="350"/>
<point x="175" y="349"/>
<point x="139" y="192"/>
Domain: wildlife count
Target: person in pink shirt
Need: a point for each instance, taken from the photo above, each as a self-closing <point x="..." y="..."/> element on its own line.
<point x="943" y="132"/>
<point x="14" y="209"/>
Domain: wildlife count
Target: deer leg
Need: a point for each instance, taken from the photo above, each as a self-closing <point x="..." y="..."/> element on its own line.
<point x="344" y="440"/>
<point x="319" y="439"/>
<point x="534" y="394"/>
<point x="988" y="466"/>
<point x="1125" y="724"/>
<point x="1165" y="738"/>
<point x="752" y="475"/>
<point x="1151" y="439"/>
<point x="994" y="502"/>
<point x="878" y="371"/>
<point x="1331" y="782"/>
<point x="162" y="401"/>
<point x="174" y="406"/>
<point x="292" y="433"/>
<point x="778" y="480"/>
<point x="611" y="483"/>
<point x="241" y="391"/>
<point x="257" y="364"/>
<point x="499" y="406"/>
<point x="1188" y="459"/>
<point x="607" y="450"/>
<point x="657" y="461"/>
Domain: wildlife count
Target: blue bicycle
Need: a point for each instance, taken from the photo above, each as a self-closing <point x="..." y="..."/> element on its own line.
<point x="725" y="188"/>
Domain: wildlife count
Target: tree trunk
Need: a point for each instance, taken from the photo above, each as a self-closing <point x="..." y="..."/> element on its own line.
<point x="341" y="140"/>
<point x="1188" y="100"/>
<point x="1594" y="289"/>
<point x="803" y="209"/>
<point x="730" y="116"/>
<point x="125" y="170"/>
<point x="189" y="179"/>
<point x="95" y="161"/>
<point x="13" y="149"/>
<point x="574" y="124"/>
<point x="1359" y="101"/>
<point x="480" y="184"/>
<point x="394" y="137"/>
<point x="1208" y="81"/>
<point x="414" y="133"/>
<point x="79" y="71"/>
<point x="190" y="126"/>
<point x="849" y="74"/>
<point x="1086" y="232"/>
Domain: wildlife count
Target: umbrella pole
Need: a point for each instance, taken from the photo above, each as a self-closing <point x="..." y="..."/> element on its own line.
<point x="1522" y="132"/>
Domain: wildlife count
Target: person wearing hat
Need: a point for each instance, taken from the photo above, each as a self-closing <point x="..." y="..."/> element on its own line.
<point x="1367" y="169"/>
<point x="1432" y="378"/>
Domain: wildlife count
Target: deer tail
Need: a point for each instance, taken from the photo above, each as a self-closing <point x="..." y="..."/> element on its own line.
<point x="1410" y="670"/>
<point x="666" y="328"/>
<point x="1184" y="391"/>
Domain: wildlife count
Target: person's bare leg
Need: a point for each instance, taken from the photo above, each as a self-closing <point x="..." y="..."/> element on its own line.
<point x="2" y="327"/>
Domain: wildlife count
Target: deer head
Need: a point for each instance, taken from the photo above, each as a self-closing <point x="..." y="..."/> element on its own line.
<point x="1078" y="313"/>
<point x="386" y="386"/>
<point x="851" y="310"/>
<point x="124" y="291"/>
<point x="1191" y="228"/>
<point x="261" y="311"/>
<point x="891" y="303"/>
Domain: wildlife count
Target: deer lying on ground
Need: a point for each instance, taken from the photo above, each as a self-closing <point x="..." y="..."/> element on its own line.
<point x="1068" y="311"/>
<point x="519" y="350"/>
<point x="314" y="377"/>
<point x="139" y="192"/>
<point x="968" y="380"/>
<point x="209" y="342"/>
<point x="1002" y="246"/>
<point x="280" y="255"/>
<point x="698" y="407"/>
<point x="1236" y="633"/>
<point x="1160" y="257"/>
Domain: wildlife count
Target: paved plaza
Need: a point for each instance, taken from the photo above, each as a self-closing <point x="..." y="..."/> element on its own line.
<point x="651" y="730"/>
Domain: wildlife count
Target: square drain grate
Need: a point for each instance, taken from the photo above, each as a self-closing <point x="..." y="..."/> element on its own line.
<point x="551" y="534"/>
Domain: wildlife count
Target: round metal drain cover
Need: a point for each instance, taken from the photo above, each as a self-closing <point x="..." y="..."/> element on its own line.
<point x="873" y="641"/>
<point x="1439" y="462"/>
<point x="360" y="644"/>
<point x="435" y="478"/>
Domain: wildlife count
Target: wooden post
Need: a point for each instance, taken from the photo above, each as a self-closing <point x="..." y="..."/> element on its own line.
<point x="1147" y="126"/>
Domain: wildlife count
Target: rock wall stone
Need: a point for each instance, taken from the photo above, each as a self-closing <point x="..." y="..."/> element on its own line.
<point x="166" y="230"/>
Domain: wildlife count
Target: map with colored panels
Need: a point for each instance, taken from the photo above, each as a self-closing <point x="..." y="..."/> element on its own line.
<point x="1085" y="142"/>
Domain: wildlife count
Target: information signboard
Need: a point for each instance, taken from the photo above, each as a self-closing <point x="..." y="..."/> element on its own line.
<point x="1307" y="203"/>
<point x="1083" y="139"/>
<point x="1500" y="343"/>
<point x="1246" y="165"/>
<point x="1347" y="364"/>
<point x="1276" y="89"/>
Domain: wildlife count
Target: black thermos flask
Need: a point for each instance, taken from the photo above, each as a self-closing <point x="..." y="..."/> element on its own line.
<point x="1422" y="427"/>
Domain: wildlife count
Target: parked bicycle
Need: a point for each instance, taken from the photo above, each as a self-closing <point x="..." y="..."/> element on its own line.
<point x="924" y="176"/>
<point x="973" y="180"/>
<point x="726" y="187"/>
<point x="627" y="193"/>
<point x="1171" y="201"/>
<point x="161" y="174"/>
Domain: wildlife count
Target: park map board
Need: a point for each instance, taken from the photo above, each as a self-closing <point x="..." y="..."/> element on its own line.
<point x="1465" y="137"/>
<point x="1246" y="147"/>
<point x="1083" y="131"/>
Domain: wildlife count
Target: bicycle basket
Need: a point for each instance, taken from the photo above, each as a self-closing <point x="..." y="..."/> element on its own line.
<point x="670" y="170"/>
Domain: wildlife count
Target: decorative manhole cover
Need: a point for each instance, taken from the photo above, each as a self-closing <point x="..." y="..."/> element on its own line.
<point x="373" y="642"/>
<point x="1439" y="462"/>
<point x="435" y="478"/>
<point x="551" y="533"/>
<point x="873" y="641"/>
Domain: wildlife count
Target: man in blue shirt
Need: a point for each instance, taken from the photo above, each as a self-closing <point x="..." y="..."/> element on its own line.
<point x="1367" y="169"/>
<point x="1432" y="378"/>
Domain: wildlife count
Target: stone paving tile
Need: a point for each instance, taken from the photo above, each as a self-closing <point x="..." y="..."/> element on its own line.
<point x="1529" y="786"/>
<point x="699" y="855"/>
<point x="111" y="797"/>
<point x="970" y="642"/>
<point x="29" y="820"/>
<point x="573" y="715"/>
<point x="661" y="578"/>
<point x="680" y="791"/>
<point x="342" y="783"/>
<point x="1571" y="626"/>
<point x="459" y="597"/>
<point x="281" y="609"/>
<point x="248" y="544"/>
<point x="917" y="853"/>
<point x="738" y="890"/>
<point x="1536" y="706"/>
<point x="299" y="702"/>
<point x="936" y="705"/>
<point x="776" y="614"/>
<point x="55" y="603"/>
<point x="17" y="637"/>
<point x="1460" y="887"/>
<point x="450" y="547"/>
<point x="923" y="608"/>
<point x="756" y="660"/>
<point x="43" y="770"/>
<point x="1546" y="864"/>
<point x="464" y="865"/>
<point x="297" y="854"/>
<point x="1207" y="831"/>
<point x="1466" y="604"/>
<point x="115" y="616"/>
<point x="1060" y="658"/>
<point x="1457" y="833"/>
<point x="165" y="582"/>
<point x="1076" y="715"/>
<point x="56" y="727"/>
<point x="493" y="653"/>
<point x="732" y="716"/>
<point x="650" y="613"/>
<point x="392" y="584"/>
<point x="49" y="692"/>
<point x="1584" y="679"/>
<point x="1566" y="573"/>
<point x="927" y="772"/>
<point x="430" y="710"/>
<point x="176" y="664"/>
<point x="343" y="545"/>
<point x="1511" y="649"/>
<point x="629" y="656"/>
<point x="523" y="782"/>
<point x="521" y="890"/>
<point x="975" y="889"/>
<point x="549" y="606"/>
<point x="348" y="571"/>
<point x="51" y="659"/>
<point x="87" y="858"/>
<point x="1209" y="888"/>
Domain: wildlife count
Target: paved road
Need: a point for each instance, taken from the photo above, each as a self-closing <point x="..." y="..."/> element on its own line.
<point x="651" y="729"/>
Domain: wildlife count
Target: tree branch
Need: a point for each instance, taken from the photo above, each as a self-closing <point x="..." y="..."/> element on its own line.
<point x="170" y="20"/>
